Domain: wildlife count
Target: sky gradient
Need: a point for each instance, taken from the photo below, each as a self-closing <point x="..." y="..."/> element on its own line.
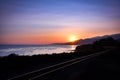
<point x="51" y="21"/>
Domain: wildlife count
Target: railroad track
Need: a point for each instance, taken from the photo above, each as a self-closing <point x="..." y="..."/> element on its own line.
<point x="38" y="74"/>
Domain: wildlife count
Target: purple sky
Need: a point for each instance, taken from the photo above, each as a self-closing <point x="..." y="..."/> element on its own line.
<point x="49" y="21"/>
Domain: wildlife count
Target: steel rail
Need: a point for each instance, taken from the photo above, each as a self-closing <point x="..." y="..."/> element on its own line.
<point x="47" y="70"/>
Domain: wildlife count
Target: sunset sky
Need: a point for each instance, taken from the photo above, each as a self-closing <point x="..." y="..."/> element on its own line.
<point x="51" y="21"/>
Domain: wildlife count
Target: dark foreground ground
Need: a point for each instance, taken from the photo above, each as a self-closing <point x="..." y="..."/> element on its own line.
<point x="103" y="67"/>
<point x="14" y="65"/>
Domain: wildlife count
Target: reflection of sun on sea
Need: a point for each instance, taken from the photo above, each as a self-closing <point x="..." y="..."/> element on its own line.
<point x="73" y="47"/>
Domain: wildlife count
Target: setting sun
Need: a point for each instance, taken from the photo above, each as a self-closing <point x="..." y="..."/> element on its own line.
<point x="73" y="38"/>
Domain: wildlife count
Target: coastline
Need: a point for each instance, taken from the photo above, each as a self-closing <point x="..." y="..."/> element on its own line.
<point x="14" y="65"/>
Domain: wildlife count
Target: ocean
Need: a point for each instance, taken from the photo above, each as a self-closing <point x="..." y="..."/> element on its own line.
<point x="5" y="50"/>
